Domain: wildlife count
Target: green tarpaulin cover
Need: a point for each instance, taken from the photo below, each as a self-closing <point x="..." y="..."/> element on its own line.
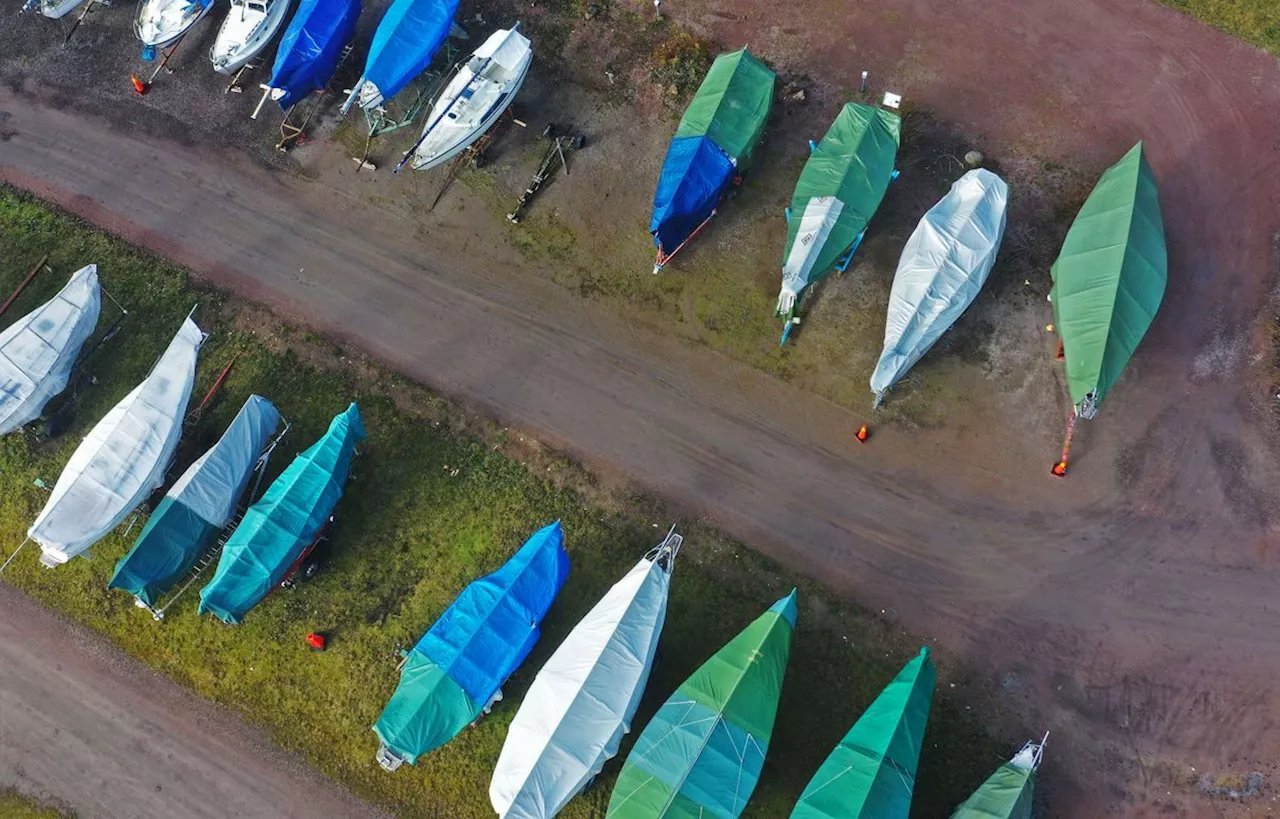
<point x="838" y="192"/>
<point x="732" y="105"/>
<point x="702" y="753"/>
<point x="1109" y="279"/>
<point x="1006" y="794"/>
<point x="872" y="772"/>
<point x="277" y="529"/>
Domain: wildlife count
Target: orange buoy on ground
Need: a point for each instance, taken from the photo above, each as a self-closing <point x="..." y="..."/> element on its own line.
<point x="316" y="641"/>
<point x="138" y="84"/>
<point x="1059" y="469"/>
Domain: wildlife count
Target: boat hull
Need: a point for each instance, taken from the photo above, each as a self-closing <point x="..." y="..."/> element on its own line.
<point x="235" y="47"/>
<point x="56" y="11"/>
<point x="156" y="29"/>
<point x="442" y="139"/>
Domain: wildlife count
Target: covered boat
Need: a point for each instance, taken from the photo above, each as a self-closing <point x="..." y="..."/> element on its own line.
<point x="245" y="32"/>
<point x="1007" y="793"/>
<point x="407" y="39"/>
<point x="701" y="754"/>
<point x="39" y="350"/>
<point x="455" y="672"/>
<point x="1109" y="279"/>
<point x="474" y="99"/>
<point x="311" y="48"/>
<point x="943" y="266"/>
<point x="197" y="507"/>
<point x="872" y="772"/>
<point x="583" y="700"/>
<point x="713" y="144"/>
<point x="124" y="457"/>
<point x="160" y="22"/>
<point x="838" y="192"/>
<point x="278" y="530"/>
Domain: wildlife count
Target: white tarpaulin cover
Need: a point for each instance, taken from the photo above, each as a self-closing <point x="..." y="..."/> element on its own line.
<point x="819" y="217"/>
<point x="943" y="266"/>
<point x="582" y="701"/>
<point x="123" y="458"/>
<point x="39" y="350"/>
<point x="211" y="487"/>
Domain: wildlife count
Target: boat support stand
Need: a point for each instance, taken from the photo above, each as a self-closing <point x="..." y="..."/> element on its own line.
<point x="84" y="12"/>
<point x="474" y="154"/>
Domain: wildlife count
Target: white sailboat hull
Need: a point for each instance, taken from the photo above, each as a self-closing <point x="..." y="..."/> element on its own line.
<point x="245" y="32"/>
<point x="472" y="102"/>
<point x="160" y="22"/>
<point x="58" y="10"/>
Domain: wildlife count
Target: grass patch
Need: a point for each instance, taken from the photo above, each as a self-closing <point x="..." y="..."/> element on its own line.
<point x="14" y="805"/>
<point x="436" y="499"/>
<point x="1256" y="21"/>
<point x="678" y="63"/>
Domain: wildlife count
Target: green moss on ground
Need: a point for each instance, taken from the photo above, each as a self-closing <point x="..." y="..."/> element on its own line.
<point x="1256" y="21"/>
<point x="436" y="500"/>
<point x="14" y="805"/>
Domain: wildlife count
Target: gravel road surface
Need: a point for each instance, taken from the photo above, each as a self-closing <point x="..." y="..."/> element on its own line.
<point x="99" y="733"/>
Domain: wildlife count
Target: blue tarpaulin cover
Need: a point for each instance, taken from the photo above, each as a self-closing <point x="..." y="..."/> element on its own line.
<point x="311" y="47"/>
<point x="694" y="174"/>
<point x="406" y="41"/>
<point x="457" y="667"/>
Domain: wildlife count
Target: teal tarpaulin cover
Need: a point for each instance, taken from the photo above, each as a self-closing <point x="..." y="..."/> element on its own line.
<point x="277" y="529"/>
<point x="200" y="504"/>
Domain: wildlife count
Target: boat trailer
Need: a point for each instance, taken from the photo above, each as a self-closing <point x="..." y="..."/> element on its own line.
<point x="552" y="160"/>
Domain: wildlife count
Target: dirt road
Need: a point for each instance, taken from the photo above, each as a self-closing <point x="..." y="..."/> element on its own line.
<point x="1131" y="609"/>
<point x="104" y="736"/>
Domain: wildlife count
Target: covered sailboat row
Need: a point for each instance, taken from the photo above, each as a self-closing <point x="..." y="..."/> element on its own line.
<point x="583" y="700"/>
<point x="456" y="671"/>
<point x="198" y="506"/>
<point x="405" y="43"/>
<point x="311" y="48"/>
<point x="124" y="457"/>
<point x="871" y="773"/>
<point x="943" y="267"/>
<point x="38" y="351"/>
<point x="713" y="144"/>
<point x="838" y="192"/>
<point x="702" y="753"/>
<point x="278" y="530"/>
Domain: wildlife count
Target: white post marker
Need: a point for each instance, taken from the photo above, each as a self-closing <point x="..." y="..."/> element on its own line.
<point x="657" y="8"/>
<point x="863" y="90"/>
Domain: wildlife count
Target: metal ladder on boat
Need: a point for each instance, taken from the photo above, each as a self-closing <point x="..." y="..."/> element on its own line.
<point x="209" y="558"/>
